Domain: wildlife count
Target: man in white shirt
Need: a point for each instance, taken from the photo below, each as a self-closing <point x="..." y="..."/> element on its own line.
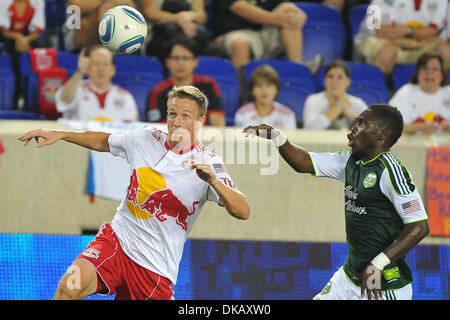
<point x="137" y="256"/>
<point x="96" y="98"/>
<point x="399" y="31"/>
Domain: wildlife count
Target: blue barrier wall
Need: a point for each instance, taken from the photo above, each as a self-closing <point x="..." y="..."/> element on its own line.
<point x="31" y="265"/>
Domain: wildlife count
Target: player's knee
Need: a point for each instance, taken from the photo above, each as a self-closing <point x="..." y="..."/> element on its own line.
<point x="241" y="51"/>
<point x="78" y="282"/>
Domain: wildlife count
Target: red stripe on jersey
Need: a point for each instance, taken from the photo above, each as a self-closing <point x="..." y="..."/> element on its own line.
<point x="100" y="96"/>
<point x="417" y="4"/>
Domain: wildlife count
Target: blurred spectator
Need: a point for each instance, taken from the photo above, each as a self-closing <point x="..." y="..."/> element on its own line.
<point x="171" y="18"/>
<point x="260" y="29"/>
<point x="404" y="31"/>
<point x="95" y="98"/>
<point x="333" y="108"/>
<point x="264" y="86"/>
<point x="21" y="25"/>
<point x="425" y="101"/>
<point x="181" y="61"/>
<point x="91" y="14"/>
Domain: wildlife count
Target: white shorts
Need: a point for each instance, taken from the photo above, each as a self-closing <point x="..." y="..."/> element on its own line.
<point x="341" y="288"/>
<point x="264" y="43"/>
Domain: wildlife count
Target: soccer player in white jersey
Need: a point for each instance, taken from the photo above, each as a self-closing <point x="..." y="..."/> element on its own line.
<point x="137" y="256"/>
<point x="384" y="213"/>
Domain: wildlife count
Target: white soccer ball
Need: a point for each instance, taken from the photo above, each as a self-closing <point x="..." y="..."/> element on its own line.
<point x="122" y="29"/>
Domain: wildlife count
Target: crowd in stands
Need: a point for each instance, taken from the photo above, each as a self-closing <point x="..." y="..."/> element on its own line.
<point x="398" y="35"/>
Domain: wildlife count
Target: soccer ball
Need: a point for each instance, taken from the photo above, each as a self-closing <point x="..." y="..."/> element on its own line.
<point x="122" y="29"/>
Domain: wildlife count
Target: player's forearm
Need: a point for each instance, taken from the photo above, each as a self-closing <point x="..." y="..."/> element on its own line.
<point x="232" y="200"/>
<point x="93" y="140"/>
<point x="297" y="157"/>
<point x="410" y="236"/>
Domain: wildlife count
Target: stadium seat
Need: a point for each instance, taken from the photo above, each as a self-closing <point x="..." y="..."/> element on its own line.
<point x="140" y="86"/>
<point x="128" y="63"/>
<point x="356" y="16"/>
<point x="296" y="82"/>
<point x="69" y="61"/>
<point x="138" y="74"/>
<point x="5" y="62"/>
<point x="368" y="83"/>
<point x="19" y="115"/>
<point x="7" y="87"/>
<point x="402" y="74"/>
<point x="323" y="33"/>
<point x="55" y="13"/>
<point x="225" y="74"/>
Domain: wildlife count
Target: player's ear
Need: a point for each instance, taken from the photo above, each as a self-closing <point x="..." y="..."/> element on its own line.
<point x="384" y="133"/>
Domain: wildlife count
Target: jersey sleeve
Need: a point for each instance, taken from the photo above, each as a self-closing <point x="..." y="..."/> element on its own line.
<point x="37" y="22"/>
<point x="439" y="16"/>
<point x="5" y="21"/>
<point x="239" y="119"/>
<point x="313" y="118"/>
<point x="221" y="173"/>
<point x="331" y="165"/>
<point x="121" y="143"/>
<point x="66" y="107"/>
<point x="409" y="206"/>
<point x="401" y="100"/>
<point x="133" y="113"/>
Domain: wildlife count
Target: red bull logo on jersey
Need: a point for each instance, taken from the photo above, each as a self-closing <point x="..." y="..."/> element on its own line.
<point x="148" y="197"/>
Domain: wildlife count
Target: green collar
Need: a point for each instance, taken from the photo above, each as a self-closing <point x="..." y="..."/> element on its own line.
<point x="373" y="161"/>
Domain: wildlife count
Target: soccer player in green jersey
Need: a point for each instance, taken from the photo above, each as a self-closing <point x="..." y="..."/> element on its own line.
<point x="384" y="213"/>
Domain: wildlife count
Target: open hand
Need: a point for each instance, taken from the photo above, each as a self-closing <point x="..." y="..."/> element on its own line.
<point x="263" y="131"/>
<point x="371" y="282"/>
<point x="49" y="137"/>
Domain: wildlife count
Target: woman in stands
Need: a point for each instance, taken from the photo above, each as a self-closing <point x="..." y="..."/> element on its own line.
<point x="333" y="108"/>
<point x="425" y="101"/>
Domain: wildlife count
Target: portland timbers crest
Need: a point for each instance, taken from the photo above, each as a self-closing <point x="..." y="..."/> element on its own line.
<point x="370" y="180"/>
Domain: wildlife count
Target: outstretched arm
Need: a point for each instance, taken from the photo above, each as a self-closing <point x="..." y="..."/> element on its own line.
<point x="93" y="140"/>
<point x="297" y="157"/>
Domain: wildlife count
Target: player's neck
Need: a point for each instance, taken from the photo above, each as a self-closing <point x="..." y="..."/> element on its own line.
<point x="264" y="108"/>
<point x="373" y="154"/>
<point x="100" y="88"/>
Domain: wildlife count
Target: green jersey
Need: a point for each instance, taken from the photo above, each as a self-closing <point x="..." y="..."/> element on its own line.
<point x="380" y="198"/>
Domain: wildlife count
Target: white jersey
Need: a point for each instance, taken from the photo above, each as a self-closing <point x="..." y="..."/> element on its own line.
<point x="425" y="13"/>
<point x="164" y="197"/>
<point x="317" y="104"/>
<point x="415" y="104"/>
<point x="280" y="117"/>
<point x="116" y="104"/>
<point x="32" y="20"/>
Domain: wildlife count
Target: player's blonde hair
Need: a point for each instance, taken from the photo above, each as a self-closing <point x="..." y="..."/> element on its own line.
<point x="193" y="93"/>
